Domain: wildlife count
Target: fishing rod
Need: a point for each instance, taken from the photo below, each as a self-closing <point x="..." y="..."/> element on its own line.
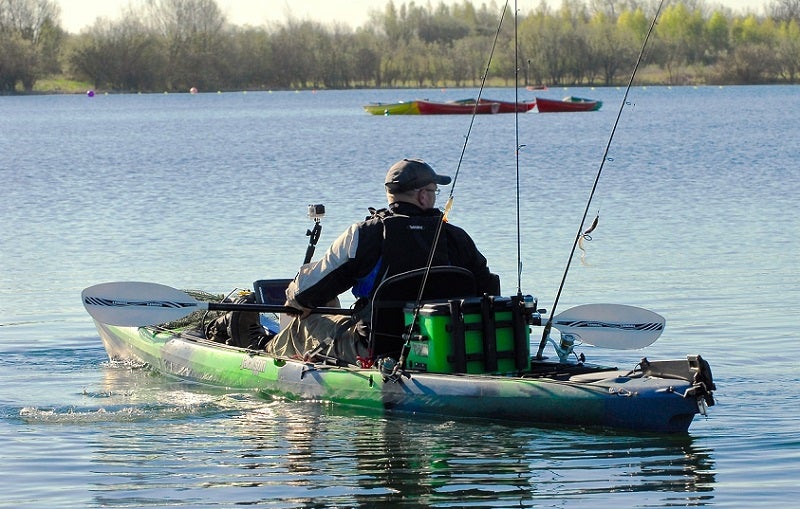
<point x="449" y="204"/>
<point x="579" y="235"/>
<point x="517" y="146"/>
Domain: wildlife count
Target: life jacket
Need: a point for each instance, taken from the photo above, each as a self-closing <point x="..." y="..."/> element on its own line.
<point x="407" y="244"/>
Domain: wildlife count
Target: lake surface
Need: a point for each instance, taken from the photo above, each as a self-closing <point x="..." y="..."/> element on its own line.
<point x="698" y="222"/>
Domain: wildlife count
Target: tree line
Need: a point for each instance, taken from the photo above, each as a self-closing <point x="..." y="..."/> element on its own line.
<point x="173" y="45"/>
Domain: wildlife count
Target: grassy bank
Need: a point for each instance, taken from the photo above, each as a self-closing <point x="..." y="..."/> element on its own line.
<point x="648" y="75"/>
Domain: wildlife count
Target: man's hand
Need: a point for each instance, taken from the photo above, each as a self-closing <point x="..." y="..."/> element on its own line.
<point x="301" y="313"/>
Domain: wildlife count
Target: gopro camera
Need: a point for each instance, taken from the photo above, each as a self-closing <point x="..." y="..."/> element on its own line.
<point x="316" y="211"/>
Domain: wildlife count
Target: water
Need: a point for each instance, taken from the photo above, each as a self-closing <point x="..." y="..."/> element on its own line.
<point x="697" y="222"/>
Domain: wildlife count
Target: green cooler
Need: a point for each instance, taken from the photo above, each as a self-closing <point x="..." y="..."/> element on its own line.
<point x="475" y="335"/>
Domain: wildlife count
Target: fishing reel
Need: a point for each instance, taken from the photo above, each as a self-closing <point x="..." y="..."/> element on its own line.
<point x="531" y="309"/>
<point x="391" y="370"/>
<point x="566" y="347"/>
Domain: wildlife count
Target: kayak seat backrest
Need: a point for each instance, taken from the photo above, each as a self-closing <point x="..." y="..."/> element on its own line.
<point x="271" y="291"/>
<point x="387" y="323"/>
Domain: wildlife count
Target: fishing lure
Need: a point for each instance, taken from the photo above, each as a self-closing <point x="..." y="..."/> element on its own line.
<point x="586" y="236"/>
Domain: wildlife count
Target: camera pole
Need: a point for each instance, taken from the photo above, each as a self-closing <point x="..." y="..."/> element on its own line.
<point x="315" y="212"/>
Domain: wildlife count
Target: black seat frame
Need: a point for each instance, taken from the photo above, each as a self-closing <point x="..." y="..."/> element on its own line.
<point x="387" y="324"/>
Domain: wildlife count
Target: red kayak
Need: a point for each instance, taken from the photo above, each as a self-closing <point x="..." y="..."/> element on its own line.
<point x="567" y="104"/>
<point x="456" y="108"/>
<point x="505" y="106"/>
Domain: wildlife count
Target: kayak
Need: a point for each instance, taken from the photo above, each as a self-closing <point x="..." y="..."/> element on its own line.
<point x="398" y="108"/>
<point x="661" y="397"/>
<point x="457" y="108"/>
<point x="567" y="104"/>
<point x="501" y="382"/>
<point x="505" y="106"/>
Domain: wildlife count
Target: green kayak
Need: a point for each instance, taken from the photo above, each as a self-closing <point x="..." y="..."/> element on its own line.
<point x="500" y="382"/>
<point x="398" y="108"/>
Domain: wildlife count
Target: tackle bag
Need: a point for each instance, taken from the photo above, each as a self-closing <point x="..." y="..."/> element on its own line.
<point x="239" y="328"/>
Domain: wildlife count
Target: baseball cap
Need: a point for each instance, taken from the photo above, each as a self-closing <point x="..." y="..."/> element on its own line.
<point x="409" y="174"/>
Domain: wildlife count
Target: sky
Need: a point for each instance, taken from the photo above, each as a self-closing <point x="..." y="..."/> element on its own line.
<point x="79" y="14"/>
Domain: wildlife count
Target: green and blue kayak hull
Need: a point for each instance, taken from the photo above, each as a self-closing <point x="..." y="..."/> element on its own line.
<point x="551" y="393"/>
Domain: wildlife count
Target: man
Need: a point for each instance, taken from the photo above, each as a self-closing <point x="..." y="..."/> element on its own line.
<point x="391" y="241"/>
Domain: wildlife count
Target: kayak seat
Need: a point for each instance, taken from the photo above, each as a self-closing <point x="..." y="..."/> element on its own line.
<point x="387" y="323"/>
<point x="271" y="291"/>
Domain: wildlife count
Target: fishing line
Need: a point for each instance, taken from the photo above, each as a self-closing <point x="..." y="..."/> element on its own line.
<point x="578" y="236"/>
<point x="517" y="146"/>
<point x="449" y="204"/>
<point x="475" y="109"/>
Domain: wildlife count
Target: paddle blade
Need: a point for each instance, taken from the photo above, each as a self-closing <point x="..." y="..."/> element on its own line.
<point x="136" y="304"/>
<point x="611" y="325"/>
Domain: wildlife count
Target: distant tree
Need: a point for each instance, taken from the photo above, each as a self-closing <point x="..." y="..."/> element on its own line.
<point x="755" y="30"/>
<point x="391" y="66"/>
<point x="543" y="37"/>
<point x="503" y="63"/>
<point x="195" y="40"/>
<point x="785" y="10"/>
<point x="30" y="40"/>
<point x="441" y="26"/>
<point x="717" y="33"/>
<point x="419" y="60"/>
<point x="610" y="45"/>
<point x="676" y="40"/>
<point x="366" y="56"/>
<point x="337" y="60"/>
<point x="251" y="61"/>
<point x="122" y="55"/>
<point x="751" y="64"/>
<point x="178" y="44"/>
<point x="788" y="50"/>
<point x="636" y="23"/>
<point x="15" y="52"/>
<point x="298" y="49"/>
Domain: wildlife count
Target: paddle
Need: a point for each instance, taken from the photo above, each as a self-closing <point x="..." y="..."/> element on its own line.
<point x="611" y="325"/>
<point x="135" y="304"/>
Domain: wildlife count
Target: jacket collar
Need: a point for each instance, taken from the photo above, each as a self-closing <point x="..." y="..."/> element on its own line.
<point x="409" y="209"/>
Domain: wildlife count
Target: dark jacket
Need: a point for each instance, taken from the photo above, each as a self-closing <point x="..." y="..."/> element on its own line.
<point x="389" y="242"/>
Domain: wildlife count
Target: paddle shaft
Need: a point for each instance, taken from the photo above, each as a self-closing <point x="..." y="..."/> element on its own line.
<point x="137" y="304"/>
<point x="271" y="308"/>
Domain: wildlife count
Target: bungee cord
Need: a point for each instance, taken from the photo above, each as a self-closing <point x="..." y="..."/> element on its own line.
<point x="581" y="233"/>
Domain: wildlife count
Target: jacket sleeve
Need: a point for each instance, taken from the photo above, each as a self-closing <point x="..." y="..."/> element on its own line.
<point x="320" y="281"/>
<point x="352" y="255"/>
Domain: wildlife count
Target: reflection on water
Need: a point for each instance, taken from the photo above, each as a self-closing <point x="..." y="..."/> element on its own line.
<point x="283" y="454"/>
